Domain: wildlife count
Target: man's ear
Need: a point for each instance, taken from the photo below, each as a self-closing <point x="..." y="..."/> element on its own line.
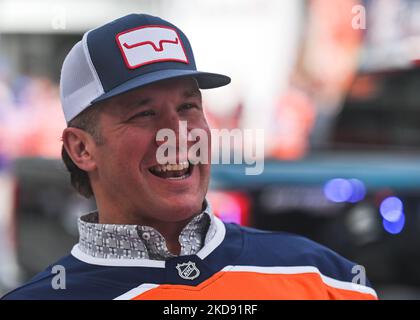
<point x="80" y="146"/>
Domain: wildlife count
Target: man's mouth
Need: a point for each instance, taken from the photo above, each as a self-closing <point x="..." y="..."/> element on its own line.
<point x="172" y="171"/>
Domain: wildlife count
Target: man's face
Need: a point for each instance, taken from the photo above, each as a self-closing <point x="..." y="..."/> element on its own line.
<point x="128" y="178"/>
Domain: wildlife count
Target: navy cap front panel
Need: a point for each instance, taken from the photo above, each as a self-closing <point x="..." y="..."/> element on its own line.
<point x="115" y="68"/>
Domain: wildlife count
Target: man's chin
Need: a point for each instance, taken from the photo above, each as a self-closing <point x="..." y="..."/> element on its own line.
<point x="180" y="208"/>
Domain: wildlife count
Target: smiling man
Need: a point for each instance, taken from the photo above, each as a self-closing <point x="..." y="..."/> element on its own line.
<point x="124" y="173"/>
<point x="154" y="235"/>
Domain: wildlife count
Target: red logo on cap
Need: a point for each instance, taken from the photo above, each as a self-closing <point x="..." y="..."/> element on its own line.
<point x="160" y="48"/>
<point x="150" y="44"/>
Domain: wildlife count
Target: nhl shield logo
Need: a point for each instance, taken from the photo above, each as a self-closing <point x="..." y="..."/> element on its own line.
<point x="188" y="270"/>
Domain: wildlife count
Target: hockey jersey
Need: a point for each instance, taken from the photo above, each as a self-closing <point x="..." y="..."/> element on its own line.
<point x="238" y="263"/>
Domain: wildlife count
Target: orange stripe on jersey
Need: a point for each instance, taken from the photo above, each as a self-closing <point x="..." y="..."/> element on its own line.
<point x="228" y="285"/>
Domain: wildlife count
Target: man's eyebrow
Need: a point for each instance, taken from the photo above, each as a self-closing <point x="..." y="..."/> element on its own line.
<point x="192" y="93"/>
<point x="140" y="103"/>
<point x="146" y="101"/>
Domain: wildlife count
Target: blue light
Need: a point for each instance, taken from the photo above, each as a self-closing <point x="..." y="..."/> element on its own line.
<point x="358" y="190"/>
<point x="343" y="190"/>
<point x="391" y="209"/>
<point x="394" y="227"/>
<point x="338" y="190"/>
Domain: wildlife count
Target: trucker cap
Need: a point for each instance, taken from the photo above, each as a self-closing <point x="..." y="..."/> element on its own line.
<point x="123" y="55"/>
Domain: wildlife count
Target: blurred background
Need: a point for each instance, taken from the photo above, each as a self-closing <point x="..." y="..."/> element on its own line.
<point x="334" y="84"/>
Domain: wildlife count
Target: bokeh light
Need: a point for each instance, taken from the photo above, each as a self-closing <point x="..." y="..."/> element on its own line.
<point x="396" y="226"/>
<point x="344" y="190"/>
<point x="391" y="209"/>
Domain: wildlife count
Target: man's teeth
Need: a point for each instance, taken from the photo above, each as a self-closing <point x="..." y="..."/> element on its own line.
<point x="171" y="167"/>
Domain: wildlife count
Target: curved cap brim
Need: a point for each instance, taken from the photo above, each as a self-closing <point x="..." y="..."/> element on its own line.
<point x="205" y="80"/>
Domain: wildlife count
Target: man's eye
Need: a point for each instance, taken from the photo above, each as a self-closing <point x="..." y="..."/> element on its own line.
<point x="188" y="106"/>
<point x="143" y="114"/>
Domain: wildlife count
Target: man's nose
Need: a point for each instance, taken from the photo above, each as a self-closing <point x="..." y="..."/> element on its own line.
<point x="177" y="138"/>
<point x="173" y="123"/>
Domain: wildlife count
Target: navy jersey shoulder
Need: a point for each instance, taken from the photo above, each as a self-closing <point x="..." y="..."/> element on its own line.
<point x="82" y="281"/>
<point x="36" y="287"/>
<point x="266" y="248"/>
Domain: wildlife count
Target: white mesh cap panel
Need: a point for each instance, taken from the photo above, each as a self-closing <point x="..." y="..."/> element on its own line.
<point x="79" y="83"/>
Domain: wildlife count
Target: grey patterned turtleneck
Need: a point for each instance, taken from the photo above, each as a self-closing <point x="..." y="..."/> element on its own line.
<point x="119" y="241"/>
